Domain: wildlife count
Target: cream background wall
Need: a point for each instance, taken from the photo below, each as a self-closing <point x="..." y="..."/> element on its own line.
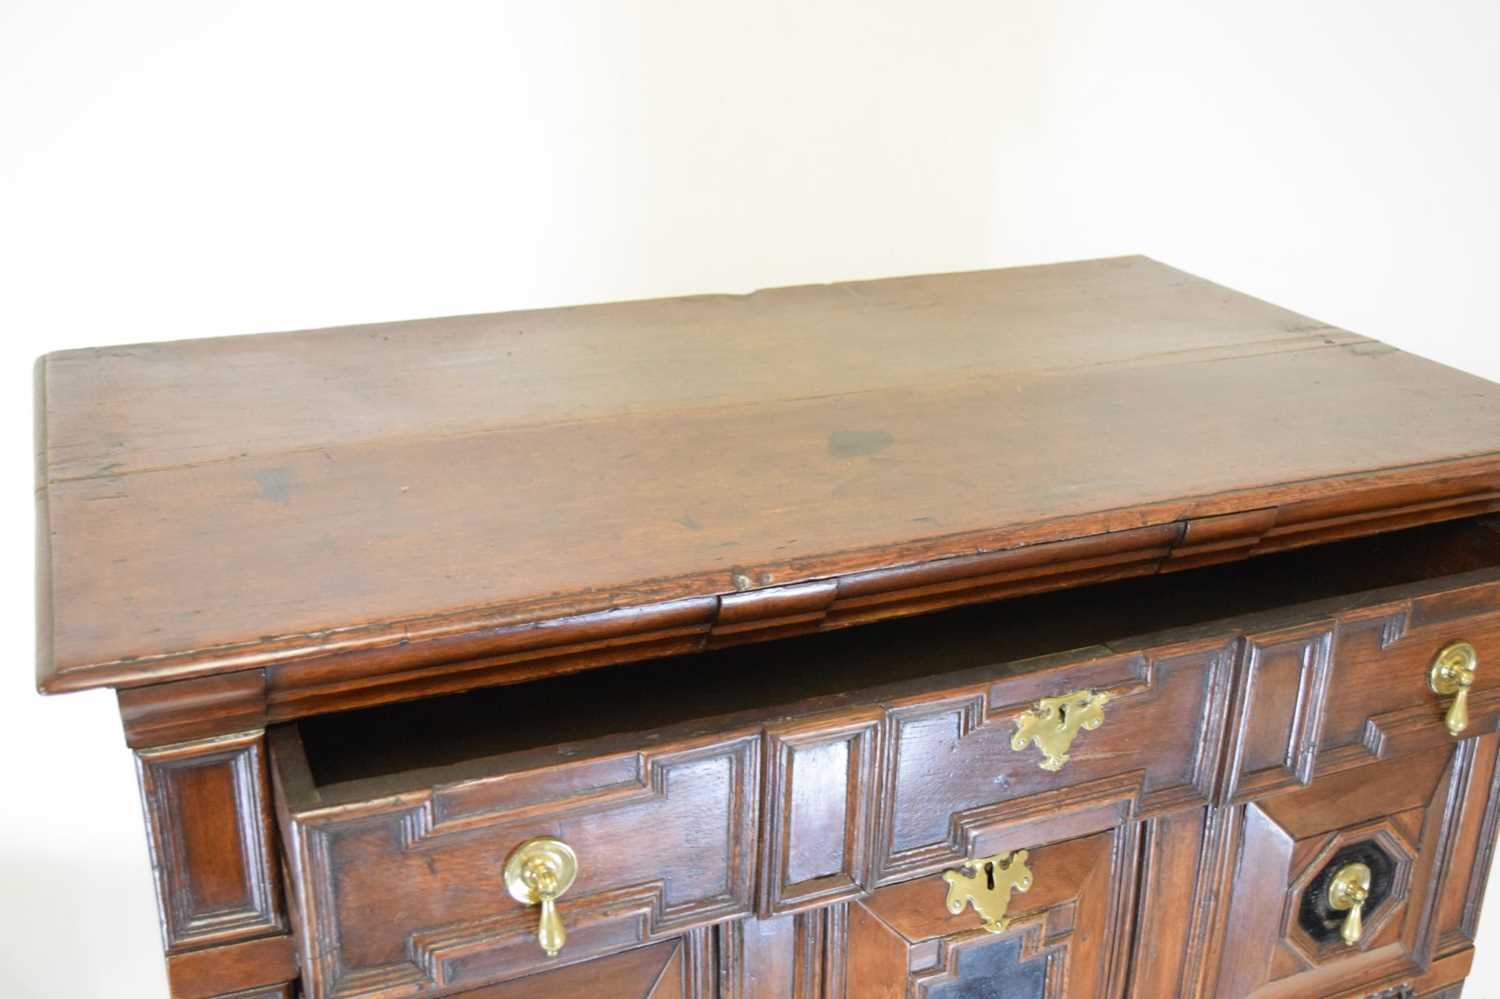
<point x="179" y="168"/>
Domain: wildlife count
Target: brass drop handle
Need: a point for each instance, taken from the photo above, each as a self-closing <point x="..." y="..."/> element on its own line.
<point x="1452" y="674"/>
<point x="538" y="872"/>
<point x="1348" y="892"/>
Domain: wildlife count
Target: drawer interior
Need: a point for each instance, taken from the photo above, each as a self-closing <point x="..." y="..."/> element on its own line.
<point x="548" y="719"/>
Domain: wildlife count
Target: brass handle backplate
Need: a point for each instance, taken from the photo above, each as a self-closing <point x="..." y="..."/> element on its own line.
<point x="1056" y="721"/>
<point x="1347" y="892"/>
<point x="987" y="884"/>
<point x="1452" y="674"/>
<point x="538" y="872"/>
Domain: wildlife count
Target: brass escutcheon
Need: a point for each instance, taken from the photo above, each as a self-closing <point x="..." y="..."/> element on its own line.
<point x="987" y="884"/>
<point x="1056" y="721"/>
<point x="537" y="873"/>
<point x="1452" y="674"/>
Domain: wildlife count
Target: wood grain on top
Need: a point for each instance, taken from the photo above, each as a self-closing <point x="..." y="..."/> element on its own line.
<point x="223" y="504"/>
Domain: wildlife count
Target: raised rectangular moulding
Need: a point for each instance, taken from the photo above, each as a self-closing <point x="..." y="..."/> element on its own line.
<point x="210" y="836"/>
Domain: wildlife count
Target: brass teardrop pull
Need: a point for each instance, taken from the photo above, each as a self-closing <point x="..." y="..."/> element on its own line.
<point x="538" y="872"/>
<point x="1348" y="892"/>
<point x="1452" y="675"/>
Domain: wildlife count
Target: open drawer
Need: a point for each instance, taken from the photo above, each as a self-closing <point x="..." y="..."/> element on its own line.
<point x="399" y="881"/>
<point x="800" y="772"/>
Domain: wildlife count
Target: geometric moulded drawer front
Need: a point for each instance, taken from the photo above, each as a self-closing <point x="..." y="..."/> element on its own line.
<point x="1281" y="933"/>
<point x="400" y="887"/>
<point x="1065" y="931"/>
<point x="1324" y="696"/>
<point x="961" y="771"/>
<point x="1381" y="702"/>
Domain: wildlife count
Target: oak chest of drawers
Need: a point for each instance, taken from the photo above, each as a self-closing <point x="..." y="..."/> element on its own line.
<point x="1085" y="630"/>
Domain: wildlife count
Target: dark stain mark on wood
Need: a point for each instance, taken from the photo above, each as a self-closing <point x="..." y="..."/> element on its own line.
<point x="857" y="443"/>
<point x="275" y="483"/>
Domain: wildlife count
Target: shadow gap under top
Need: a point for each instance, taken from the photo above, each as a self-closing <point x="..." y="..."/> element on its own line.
<point x="791" y="677"/>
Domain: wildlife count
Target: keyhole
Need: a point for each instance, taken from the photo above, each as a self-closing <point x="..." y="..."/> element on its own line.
<point x="989" y="876"/>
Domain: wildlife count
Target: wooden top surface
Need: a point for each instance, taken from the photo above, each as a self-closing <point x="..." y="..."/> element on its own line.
<point x="222" y="504"/>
